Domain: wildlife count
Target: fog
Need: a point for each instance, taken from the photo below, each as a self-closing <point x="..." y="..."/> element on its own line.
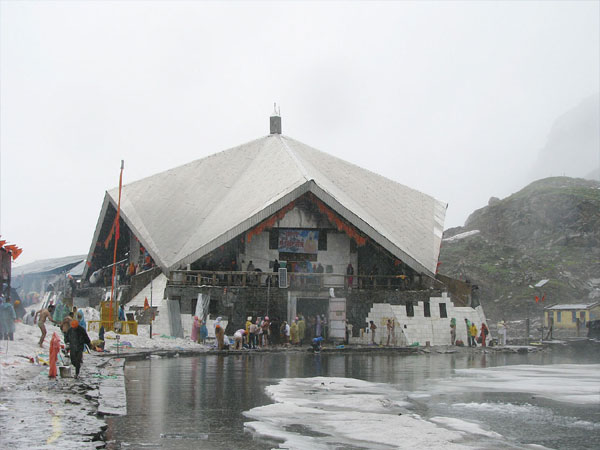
<point x="461" y="100"/>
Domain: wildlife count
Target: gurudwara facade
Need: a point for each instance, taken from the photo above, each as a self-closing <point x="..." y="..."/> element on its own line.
<point x="277" y="228"/>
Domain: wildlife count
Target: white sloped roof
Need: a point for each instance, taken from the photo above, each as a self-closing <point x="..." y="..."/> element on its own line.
<point x="573" y="306"/>
<point x="184" y="213"/>
<point x="47" y="265"/>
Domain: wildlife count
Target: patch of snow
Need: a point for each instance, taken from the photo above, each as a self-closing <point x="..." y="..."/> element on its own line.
<point x="578" y="382"/>
<point x="463" y="425"/>
<point x="460" y="236"/>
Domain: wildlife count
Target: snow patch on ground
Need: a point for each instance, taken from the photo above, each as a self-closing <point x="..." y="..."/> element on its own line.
<point x="460" y="236"/>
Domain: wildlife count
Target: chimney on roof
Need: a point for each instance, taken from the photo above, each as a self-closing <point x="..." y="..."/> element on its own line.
<point x="275" y="120"/>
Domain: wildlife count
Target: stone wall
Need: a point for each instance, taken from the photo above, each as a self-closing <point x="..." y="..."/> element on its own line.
<point x="360" y="302"/>
<point x="234" y="303"/>
<point x="419" y="327"/>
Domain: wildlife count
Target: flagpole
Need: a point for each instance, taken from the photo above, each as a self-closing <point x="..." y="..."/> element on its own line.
<point x="117" y="234"/>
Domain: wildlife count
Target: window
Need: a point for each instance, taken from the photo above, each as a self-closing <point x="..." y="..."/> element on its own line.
<point x="427" y="309"/>
<point x="558" y="314"/>
<point x="443" y="313"/>
<point x="274" y="239"/>
<point x="410" y="310"/>
<point x="573" y="316"/>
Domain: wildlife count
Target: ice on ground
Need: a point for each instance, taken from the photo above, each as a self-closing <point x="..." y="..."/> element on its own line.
<point x="464" y="425"/>
<point x="507" y="410"/>
<point x="315" y="413"/>
<point x="571" y="383"/>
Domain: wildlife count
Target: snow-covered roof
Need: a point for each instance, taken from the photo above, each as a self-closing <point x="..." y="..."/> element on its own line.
<point x="574" y="306"/>
<point x="77" y="271"/>
<point x="184" y="213"/>
<point x="47" y="265"/>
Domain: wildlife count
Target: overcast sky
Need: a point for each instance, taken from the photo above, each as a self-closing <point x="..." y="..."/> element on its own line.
<point x="452" y="98"/>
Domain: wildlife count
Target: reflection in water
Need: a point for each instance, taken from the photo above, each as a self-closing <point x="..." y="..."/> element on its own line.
<point x="197" y="402"/>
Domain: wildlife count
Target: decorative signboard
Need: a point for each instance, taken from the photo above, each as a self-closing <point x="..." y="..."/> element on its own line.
<point x="298" y="241"/>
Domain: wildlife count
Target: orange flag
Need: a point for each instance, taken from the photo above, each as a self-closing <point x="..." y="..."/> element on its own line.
<point x="146" y="305"/>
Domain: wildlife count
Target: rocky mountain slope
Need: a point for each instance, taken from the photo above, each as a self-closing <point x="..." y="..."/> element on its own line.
<point x="548" y="230"/>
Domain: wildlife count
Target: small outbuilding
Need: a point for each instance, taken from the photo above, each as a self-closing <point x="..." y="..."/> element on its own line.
<point x="571" y="317"/>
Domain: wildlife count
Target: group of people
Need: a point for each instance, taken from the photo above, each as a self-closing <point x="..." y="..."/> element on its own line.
<point x="199" y="331"/>
<point x="262" y="332"/>
<point x="75" y="336"/>
<point x="472" y="331"/>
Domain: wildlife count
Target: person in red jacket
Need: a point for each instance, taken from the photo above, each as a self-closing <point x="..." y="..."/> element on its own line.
<point x="484" y="334"/>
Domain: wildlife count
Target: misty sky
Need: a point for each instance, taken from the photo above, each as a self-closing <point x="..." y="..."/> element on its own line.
<point x="455" y="99"/>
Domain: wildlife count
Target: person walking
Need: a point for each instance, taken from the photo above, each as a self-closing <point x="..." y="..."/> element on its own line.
<point x="502" y="331"/>
<point x="484" y="334"/>
<point x="77" y="338"/>
<point x="473" y="334"/>
<point x="44" y="314"/>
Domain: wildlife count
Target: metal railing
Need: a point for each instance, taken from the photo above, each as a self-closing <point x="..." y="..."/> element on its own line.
<point x="297" y="280"/>
<point x="120" y="326"/>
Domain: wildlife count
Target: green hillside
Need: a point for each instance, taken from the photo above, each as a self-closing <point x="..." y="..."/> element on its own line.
<point x="548" y="230"/>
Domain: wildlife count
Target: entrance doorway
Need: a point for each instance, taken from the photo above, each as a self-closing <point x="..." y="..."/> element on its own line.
<point x="310" y="306"/>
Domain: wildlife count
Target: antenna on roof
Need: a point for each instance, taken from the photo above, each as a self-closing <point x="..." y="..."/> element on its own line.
<point x="275" y="120"/>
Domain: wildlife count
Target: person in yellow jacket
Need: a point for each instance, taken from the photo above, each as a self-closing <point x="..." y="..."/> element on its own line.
<point x="472" y="335"/>
<point x="247" y="335"/>
<point x="301" y="329"/>
<point x="294" y="332"/>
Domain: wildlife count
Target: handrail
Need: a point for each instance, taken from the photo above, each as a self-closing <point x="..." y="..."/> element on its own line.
<point x="295" y="279"/>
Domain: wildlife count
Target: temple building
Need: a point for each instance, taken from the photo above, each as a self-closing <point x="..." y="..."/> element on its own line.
<point x="275" y="227"/>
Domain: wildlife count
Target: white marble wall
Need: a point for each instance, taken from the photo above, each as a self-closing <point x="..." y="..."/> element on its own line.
<point x="421" y="329"/>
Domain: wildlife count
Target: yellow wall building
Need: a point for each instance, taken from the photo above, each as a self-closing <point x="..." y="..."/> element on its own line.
<point x="565" y="316"/>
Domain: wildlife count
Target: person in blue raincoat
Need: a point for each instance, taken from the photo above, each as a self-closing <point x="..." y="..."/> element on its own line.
<point x="203" y="332"/>
<point x="81" y="319"/>
<point x="122" y="317"/>
<point x="7" y="320"/>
